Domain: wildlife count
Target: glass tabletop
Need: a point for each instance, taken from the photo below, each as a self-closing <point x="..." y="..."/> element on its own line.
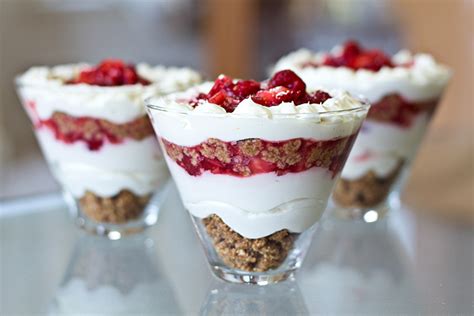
<point x="403" y="264"/>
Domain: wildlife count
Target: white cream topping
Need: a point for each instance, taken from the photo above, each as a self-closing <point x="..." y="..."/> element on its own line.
<point x="176" y="121"/>
<point x="134" y="165"/>
<point x="294" y="201"/>
<point x="424" y="80"/>
<point x="46" y="87"/>
<point x="384" y="146"/>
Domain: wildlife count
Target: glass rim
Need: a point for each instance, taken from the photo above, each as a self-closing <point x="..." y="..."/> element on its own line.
<point x="364" y="106"/>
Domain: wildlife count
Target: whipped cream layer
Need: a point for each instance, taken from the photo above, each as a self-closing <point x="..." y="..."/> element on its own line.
<point x="175" y="120"/>
<point x="47" y="88"/>
<point x="380" y="147"/>
<point x="416" y="77"/>
<point x="258" y="205"/>
<point x="134" y="165"/>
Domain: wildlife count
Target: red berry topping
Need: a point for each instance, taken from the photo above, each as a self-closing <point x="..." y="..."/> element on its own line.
<point x="273" y="96"/>
<point x="287" y="79"/>
<point x="284" y="86"/>
<point x="319" y="97"/>
<point x="228" y="94"/>
<point x="356" y="57"/>
<point x="110" y="72"/>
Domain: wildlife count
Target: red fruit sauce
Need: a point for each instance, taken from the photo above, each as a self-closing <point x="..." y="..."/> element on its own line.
<point x="110" y="73"/>
<point x="94" y="132"/>
<point x="396" y="110"/>
<point x="255" y="156"/>
<point x="284" y="86"/>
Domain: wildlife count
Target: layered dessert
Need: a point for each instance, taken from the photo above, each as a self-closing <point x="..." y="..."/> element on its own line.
<point x="403" y="91"/>
<point x="94" y="132"/>
<point x="255" y="162"/>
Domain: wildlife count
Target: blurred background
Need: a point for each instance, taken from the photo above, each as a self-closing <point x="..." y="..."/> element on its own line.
<point x="242" y="38"/>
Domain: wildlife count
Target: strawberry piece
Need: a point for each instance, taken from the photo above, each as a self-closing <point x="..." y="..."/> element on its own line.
<point x="287" y="79"/>
<point x="284" y="86"/>
<point x="257" y="165"/>
<point x="319" y="97"/>
<point x="273" y="96"/>
<point x="245" y="88"/>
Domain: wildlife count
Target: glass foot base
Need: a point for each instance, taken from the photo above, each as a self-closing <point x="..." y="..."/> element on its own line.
<point x="258" y="278"/>
<point x="368" y="215"/>
<point x="112" y="231"/>
<point x="116" y="231"/>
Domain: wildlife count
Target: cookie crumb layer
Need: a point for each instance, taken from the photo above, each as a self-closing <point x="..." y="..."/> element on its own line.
<point x="367" y="191"/>
<point x="118" y="209"/>
<point x="253" y="255"/>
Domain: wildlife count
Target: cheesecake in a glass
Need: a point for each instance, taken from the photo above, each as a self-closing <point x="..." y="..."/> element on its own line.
<point x="255" y="163"/>
<point x="403" y="90"/>
<point x="92" y="127"/>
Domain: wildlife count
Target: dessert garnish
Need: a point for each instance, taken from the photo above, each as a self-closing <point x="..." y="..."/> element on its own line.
<point x="284" y="86"/>
<point x="110" y="73"/>
<point x="353" y="55"/>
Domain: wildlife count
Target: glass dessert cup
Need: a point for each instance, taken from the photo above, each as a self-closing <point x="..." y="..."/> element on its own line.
<point x="255" y="187"/>
<point x="404" y="90"/>
<point x="99" y="145"/>
<point x="378" y="166"/>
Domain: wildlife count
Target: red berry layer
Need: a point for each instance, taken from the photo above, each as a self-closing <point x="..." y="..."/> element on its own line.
<point x="284" y="86"/>
<point x="110" y="72"/>
<point x="395" y="110"/>
<point x="354" y="56"/>
<point x="94" y="132"/>
<point x="249" y="157"/>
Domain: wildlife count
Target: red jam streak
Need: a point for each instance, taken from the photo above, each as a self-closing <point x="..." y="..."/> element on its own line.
<point x="94" y="132"/>
<point x="110" y="73"/>
<point x="354" y="56"/>
<point x="395" y="110"/>
<point x="249" y="157"/>
<point x="284" y="86"/>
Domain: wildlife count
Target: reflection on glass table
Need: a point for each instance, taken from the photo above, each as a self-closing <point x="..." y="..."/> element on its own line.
<point x="358" y="267"/>
<point x="110" y="277"/>
<point x="396" y="265"/>
<point x="235" y="299"/>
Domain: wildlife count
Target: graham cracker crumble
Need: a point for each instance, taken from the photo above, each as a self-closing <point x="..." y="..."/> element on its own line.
<point x="367" y="191"/>
<point x="253" y="255"/>
<point x="118" y="209"/>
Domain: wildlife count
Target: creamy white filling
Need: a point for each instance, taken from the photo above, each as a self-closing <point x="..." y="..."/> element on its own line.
<point x="176" y="121"/>
<point x="134" y="165"/>
<point x="383" y="146"/>
<point x="46" y="87"/>
<point x="424" y="80"/>
<point x="259" y="205"/>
